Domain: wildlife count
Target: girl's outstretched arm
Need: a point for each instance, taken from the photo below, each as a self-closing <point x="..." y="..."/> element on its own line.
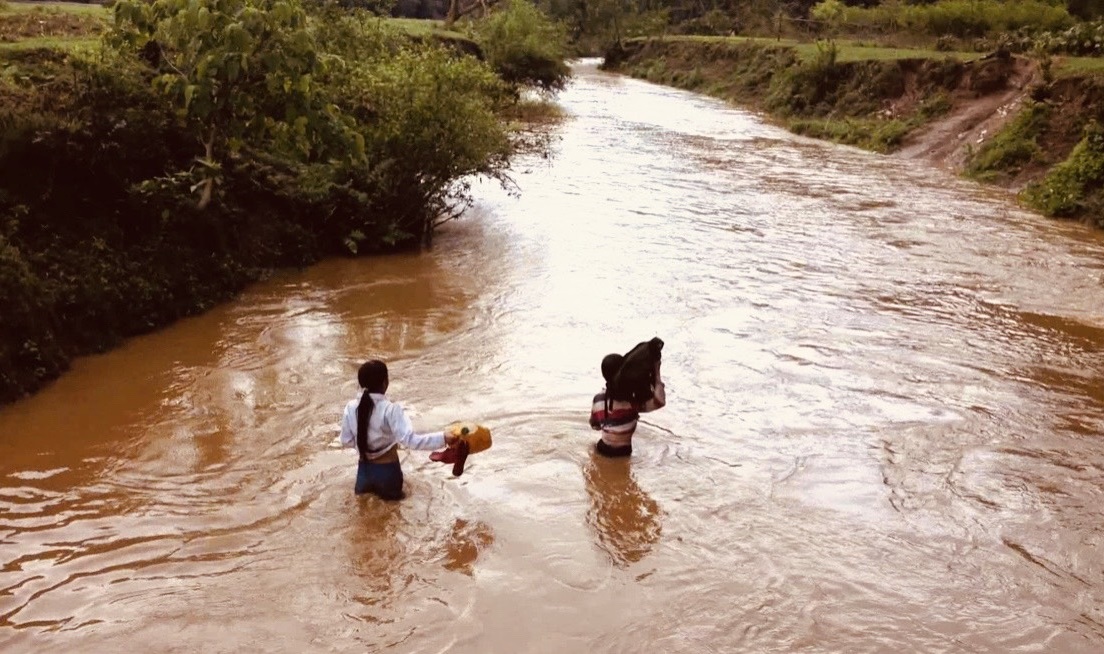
<point x="404" y="433"/>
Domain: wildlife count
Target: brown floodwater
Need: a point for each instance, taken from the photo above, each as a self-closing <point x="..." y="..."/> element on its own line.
<point x="885" y="429"/>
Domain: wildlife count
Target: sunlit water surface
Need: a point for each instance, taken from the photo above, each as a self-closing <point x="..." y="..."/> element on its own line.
<point x="884" y="430"/>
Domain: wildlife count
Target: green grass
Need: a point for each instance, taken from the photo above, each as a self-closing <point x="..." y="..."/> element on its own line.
<point x="63" y="7"/>
<point x="866" y="53"/>
<point x="412" y="26"/>
<point x="1068" y="66"/>
<point x="416" y="26"/>
<point x="847" y="51"/>
<point x="424" y="27"/>
<point x="50" y="42"/>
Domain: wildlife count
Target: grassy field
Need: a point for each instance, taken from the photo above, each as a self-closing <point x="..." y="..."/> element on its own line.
<point x="1069" y="66"/>
<point x="50" y="42"/>
<point x="846" y="50"/>
<point x="66" y="7"/>
<point x="71" y="25"/>
<point x="851" y="51"/>
<point x="50" y="25"/>
<point x="422" y="27"/>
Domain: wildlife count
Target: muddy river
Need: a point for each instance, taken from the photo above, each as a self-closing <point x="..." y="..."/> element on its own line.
<point x="884" y="431"/>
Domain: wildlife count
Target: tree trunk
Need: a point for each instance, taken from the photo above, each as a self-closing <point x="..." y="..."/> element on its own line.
<point x="209" y="182"/>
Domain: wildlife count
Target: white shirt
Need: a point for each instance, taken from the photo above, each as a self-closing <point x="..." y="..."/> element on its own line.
<point x="387" y="425"/>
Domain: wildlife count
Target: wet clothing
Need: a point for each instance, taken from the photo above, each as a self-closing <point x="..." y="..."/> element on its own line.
<point x="379" y="471"/>
<point x="612" y="451"/>
<point x="387" y="426"/>
<point x="617" y="419"/>
<point x="383" y="479"/>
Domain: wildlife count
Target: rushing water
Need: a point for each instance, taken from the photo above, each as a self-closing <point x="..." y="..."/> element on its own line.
<point x="884" y="430"/>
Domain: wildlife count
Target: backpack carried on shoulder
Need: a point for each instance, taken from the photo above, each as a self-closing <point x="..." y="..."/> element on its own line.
<point x="635" y="380"/>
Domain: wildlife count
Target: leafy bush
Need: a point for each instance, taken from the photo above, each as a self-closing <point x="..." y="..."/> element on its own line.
<point x="712" y="23"/>
<point x="524" y="46"/>
<point x="211" y="140"/>
<point x="433" y="126"/>
<point x="239" y="72"/>
<point x="1085" y="39"/>
<point x="346" y="117"/>
<point x="28" y="354"/>
<point x="1069" y="187"/>
<point x="807" y="88"/>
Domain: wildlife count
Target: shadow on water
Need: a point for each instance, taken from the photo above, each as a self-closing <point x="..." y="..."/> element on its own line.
<point x="377" y="555"/>
<point x="625" y="520"/>
<point x="465" y="542"/>
<point x="386" y="546"/>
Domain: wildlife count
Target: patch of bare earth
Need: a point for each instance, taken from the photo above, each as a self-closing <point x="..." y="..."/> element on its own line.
<point x="988" y="96"/>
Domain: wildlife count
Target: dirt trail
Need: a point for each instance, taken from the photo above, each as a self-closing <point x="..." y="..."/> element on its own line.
<point x="947" y="141"/>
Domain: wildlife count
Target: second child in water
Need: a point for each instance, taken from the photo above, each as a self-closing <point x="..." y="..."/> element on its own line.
<point x="616" y="416"/>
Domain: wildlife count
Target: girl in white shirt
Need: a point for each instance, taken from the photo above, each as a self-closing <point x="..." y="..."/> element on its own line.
<point x="376" y="426"/>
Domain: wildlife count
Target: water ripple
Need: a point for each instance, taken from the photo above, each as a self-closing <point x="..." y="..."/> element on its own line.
<point x="884" y="396"/>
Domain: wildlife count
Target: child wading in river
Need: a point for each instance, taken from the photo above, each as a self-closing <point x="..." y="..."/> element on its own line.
<point x="616" y="412"/>
<point x="376" y="426"/>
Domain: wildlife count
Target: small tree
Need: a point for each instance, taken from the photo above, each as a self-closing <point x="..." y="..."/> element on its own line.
<point x="525" y="46"/>
<point x="830" y="14"/>
<point x="239" y="71"/>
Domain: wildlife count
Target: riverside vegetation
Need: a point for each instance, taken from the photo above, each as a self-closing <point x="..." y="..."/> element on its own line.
<point x="879" y="75"/>
<point x="158" y="158"/>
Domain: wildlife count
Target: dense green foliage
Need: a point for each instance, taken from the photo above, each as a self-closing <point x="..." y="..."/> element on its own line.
<point x="1074" y="187"/>
<point x="609" y="21"/>
<point x="208" y="141"/>
<point x="1081" y="39"/>
<point x="524" y="46"/>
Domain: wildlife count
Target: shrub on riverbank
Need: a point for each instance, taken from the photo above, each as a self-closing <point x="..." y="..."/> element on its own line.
<point x="213" y="140"/>
<point x="880" y="134"/>
<point x="524" y="46"/>
<point x="1074" y="187"/>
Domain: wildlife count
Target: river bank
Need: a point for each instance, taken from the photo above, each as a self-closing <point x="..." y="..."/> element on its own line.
<point x="146" y="178"/>
<point x="881" y="432"/>
<point x="1028" y="125"/>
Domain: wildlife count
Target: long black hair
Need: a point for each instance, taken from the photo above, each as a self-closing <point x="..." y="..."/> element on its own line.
<point x="611" y="364"/>
<point x="373" y="379"/>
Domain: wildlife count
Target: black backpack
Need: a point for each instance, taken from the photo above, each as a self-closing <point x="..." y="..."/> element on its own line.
<point x="635" y="380"/>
